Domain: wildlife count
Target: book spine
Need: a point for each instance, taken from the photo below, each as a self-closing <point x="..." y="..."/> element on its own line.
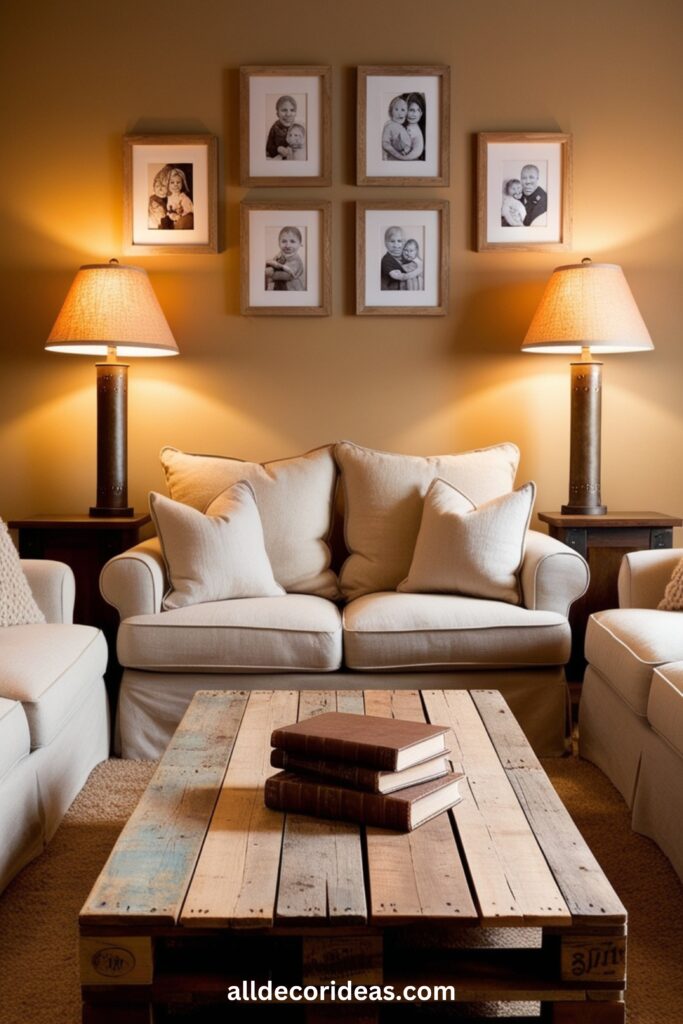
<point x="333" y="749"/>
<point x="353" y="775"/>
<point x="336" y="802"/>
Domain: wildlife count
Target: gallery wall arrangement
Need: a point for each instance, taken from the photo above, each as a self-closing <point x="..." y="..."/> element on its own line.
<point x="264" y="385"/>
<point x="403" y="139"/>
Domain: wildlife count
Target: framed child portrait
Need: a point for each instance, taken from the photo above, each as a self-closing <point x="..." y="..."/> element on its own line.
<point x="403" y="128"/>
<point x="285" y="136"/>
<point x="170" y="195"/>
<point x="524" y="189"/>
<point x="402" y="258"/>
<point x="285" y="257"/>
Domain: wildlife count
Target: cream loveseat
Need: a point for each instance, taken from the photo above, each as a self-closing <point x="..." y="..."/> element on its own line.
<point x="351" y="629"/>
<point x="631" y="709"/>
<point x="54" y="721"/>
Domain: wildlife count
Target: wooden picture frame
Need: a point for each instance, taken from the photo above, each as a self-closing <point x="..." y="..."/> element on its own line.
<point x="157" y="220"/>
<point x="419" y="242"/>
<point x="389" y="134"/>
<point x="268" y="156"/>
<point x="285" y="258"/>
<point x="513" y="214"/>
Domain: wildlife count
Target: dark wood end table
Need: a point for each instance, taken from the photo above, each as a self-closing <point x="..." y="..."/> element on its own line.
<point x="603" y="541"/>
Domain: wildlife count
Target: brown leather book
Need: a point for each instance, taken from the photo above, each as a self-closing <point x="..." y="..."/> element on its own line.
<point x="368" y="740"/>
<point x="371" y="780"/>
<point x="403" y="811"/>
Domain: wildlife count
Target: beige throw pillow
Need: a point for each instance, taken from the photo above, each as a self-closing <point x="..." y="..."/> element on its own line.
<point x="466" y="549"/>
<point x="383" y="497"/>
<point x="213" y="557"/>
<point x="295" y="501"/>
<point x="673" y="595"/>
<point x="17" y="604"/>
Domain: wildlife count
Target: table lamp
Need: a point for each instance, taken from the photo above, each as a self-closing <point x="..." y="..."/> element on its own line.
<point x="586" y="308"/>
<point x="111" y="310"/>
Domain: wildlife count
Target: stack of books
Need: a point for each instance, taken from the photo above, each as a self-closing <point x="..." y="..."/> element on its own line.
<point x="375" y="771"/>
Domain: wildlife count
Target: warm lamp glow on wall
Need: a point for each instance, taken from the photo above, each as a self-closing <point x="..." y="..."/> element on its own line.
<point x="111" y="310"/>
<point x="586" y="308"/>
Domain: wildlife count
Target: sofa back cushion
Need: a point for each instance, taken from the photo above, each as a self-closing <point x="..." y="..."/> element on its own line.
<point x="295" y="500"/>
<point x="383" y="498"/>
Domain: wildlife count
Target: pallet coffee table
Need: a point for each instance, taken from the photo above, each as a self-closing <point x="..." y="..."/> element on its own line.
<point x="206" y="889"/>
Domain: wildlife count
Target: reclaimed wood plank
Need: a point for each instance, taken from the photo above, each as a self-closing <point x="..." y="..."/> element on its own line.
<point x="235" y="881"/>
<point x="358" y="960"/>
<point x="146" y="876"/>
<point x="416" y="875"/>
<point x="504" y="730"/>
<point x="513" y="884"/>
<point x="584" y="886"/>
<point x="125" y="960"/>
<point x="321" y="871"/>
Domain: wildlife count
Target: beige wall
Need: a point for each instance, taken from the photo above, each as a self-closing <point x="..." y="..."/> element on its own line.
<point x="78" y="75"/>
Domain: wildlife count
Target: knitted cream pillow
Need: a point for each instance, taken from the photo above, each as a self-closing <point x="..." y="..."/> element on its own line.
<point x="673" y="595"/>
<point x="17" y="604"/>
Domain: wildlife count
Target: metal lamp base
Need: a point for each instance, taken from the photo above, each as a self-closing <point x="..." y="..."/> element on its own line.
<point x="584" y="456"/>
<point x="112" y="441"/>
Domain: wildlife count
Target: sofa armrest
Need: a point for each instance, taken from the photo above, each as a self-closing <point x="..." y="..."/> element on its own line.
<point x="643" y="576"/>
<point x="134" y="582"/>
<point x="553" y="576"/>
<point x="53" y="587"/>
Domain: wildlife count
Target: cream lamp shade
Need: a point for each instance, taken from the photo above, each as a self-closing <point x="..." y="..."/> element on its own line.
<point x="111" y="310"/>
<point x="586" y="308"/>
<point x="587" y="305"/>
<point x="110" y="305"/>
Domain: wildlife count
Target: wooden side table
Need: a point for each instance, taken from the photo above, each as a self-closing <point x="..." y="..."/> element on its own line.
<point x="85" y="543"/>
<point x="603" y="541"/>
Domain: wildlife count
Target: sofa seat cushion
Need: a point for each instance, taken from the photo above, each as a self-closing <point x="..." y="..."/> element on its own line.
<point x="625" y="645"/>
<point x="417" y="631"/>
<point x="49" y="667"/>
<point x="665" y="704"/>
<point x="15" y="739"/>
<point x="292" y="633"/>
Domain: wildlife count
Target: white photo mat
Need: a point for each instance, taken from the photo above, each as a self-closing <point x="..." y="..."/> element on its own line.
<point x="262" y="115"/>
<point x="428" y="224"/>
<point x="505" y="160"/>
<point x="145" y="155"/>
<point x="380" y="90"/>
<point x="261" y="225"/>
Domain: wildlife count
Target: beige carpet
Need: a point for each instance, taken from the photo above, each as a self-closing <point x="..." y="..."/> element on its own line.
<point x="39" y="910"/>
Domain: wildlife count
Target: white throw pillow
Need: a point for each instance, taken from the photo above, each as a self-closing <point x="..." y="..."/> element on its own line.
<point x="383" y="497"/>
<point x="673" y="595"/>
<point x="17" y="604"/>
<point x="295" y="500"/>
<point x="213" y="557"/>
<point x="472" y="550"/>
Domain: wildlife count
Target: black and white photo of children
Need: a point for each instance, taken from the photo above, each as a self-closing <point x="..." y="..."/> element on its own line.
<point x="170" y="205"/>
<point x="404" y="130"/>
<point x="286" y="139"/>
<point x="402" y="264"/>
<point x="285" y="270"/>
